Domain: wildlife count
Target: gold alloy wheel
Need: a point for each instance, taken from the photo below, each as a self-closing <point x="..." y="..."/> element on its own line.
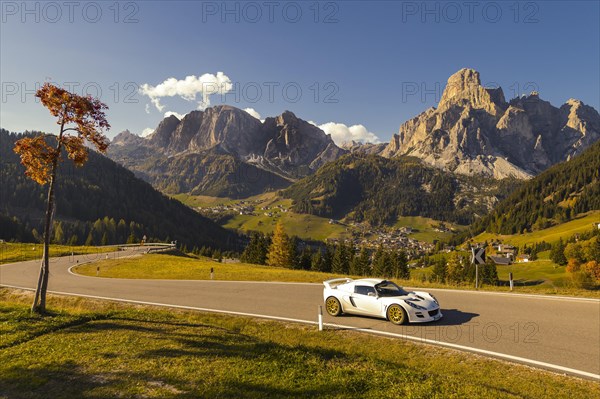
<point x="396" y="314"/>
<point x="333" y="306"/>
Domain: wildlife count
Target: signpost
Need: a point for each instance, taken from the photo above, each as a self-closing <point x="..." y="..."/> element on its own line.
<point x="477" y="258"/>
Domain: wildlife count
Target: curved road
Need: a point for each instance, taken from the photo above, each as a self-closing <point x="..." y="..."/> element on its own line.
<point x="556" y="333"/>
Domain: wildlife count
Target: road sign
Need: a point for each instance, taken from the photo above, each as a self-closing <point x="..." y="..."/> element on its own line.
<point x="478" y="256"/>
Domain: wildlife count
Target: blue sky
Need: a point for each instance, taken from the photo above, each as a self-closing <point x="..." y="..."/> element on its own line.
<point x="374" y="64"/>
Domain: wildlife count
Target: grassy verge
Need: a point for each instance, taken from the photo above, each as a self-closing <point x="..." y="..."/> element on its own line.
<point x="116" y="350"/>
<point x="18" y="252"/>
<point x="163" y="266"/>
<point x="540" y="277"/>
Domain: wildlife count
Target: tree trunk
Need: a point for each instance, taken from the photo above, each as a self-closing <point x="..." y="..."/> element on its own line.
<point x="39" y="301"/>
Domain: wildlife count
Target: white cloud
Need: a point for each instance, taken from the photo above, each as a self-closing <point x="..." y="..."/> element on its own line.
<point x="177" y="114"/>
<point x="188" y="89"/>
<point x="254" y="113"/>
<point x="147" y="132"/>
<point x="147" y="108"/>
<point x="341" y="133"/>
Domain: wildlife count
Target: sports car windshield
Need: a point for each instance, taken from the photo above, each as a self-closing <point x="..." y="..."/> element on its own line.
<point x="387" y="288"/>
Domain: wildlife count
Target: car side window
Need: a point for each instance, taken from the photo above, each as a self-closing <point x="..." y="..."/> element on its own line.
<point x="364" y="290"/>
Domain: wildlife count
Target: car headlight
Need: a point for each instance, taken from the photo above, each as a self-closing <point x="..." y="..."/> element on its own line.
<point x="414" y="305"/>
<point x="434" y="299"/>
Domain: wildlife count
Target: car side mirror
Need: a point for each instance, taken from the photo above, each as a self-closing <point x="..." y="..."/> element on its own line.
<point x="371" y="294"/>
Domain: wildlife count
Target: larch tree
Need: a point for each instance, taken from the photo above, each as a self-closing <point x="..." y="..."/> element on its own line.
<point x="80" y="119"/>
<point x="281" y="250"/>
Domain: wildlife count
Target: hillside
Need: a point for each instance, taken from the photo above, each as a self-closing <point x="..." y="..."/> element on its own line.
<point x="379" y="190"/>
<point x="101" y="190"/>
<point x="555" y="196"/>
<point x="212" y="173"/>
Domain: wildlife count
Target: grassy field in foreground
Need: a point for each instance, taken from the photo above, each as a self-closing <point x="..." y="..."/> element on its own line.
<point x="540" y="277"/>
<point x="97" y="349"/>
<point x="550" y="235"/>
<point x="18" y="252"/>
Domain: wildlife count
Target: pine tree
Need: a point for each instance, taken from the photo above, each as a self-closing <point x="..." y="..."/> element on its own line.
<point x="281" y="250"/>
<point x="90" y="239"/>
<point x="340" y="263"/>
<point x="104" y="240"/>
<point x="256" y="250"/>
<point x="399" y="264"/>
<point x="557" y="253"/>
<point x="380" y="263"/>
<point x="316" y="262"/>
<point x="327" y="258"/>
<point x="59" y="235"/>
<point x="130" y="240"/>
<point x="73" y="240"/>
<point x="304" y="260"/>
<point x="439" y="271"/>
<point x="360" y="263"/>
<point x="489" y="273"/>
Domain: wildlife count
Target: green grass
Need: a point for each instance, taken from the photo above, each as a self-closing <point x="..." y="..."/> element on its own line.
<point x="18" y="252"/>
<point x="582" y="224"/>
<point x="97" y="349"/>
<point x="424" y="228"/>
<point x="195" y="201"/>
<point x="301" y="225"/>
<point x="163" y="266"/>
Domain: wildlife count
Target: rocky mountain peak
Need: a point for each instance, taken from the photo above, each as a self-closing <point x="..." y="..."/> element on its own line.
<point x="287" y="118"/>
<point x="474" y="131"/>
<point x="464" y="89"/>
<point x="162" y="134"/>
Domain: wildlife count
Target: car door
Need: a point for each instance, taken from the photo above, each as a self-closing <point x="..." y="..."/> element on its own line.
<point x="365" y="300"/>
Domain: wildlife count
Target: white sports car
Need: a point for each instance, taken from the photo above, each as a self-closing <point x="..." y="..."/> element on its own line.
<point x="379" y="298"/>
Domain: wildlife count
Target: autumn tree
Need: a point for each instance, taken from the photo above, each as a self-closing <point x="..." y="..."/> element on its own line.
<point x="454" y="268"/>
<point x="79" y="119"/>
<point x="281" y="251"/>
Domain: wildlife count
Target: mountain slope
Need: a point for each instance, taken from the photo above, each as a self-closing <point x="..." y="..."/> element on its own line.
<point x="379" y="190"/>
<point x="475" y="131"/>
<point x="102" y="189"/>
<point x="274" y="152"/>
<point x="211" y="172"/>
<point x="555" y="196"/>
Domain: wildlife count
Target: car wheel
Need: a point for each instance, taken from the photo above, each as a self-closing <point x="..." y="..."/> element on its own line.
<point x="333" y="306"/>
<point x="397" y="315"/>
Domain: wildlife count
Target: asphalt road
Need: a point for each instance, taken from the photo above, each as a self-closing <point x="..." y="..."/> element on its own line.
<point x="557" y="333"/>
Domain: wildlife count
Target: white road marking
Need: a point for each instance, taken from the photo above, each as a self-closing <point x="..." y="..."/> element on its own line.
<point x="503" y="356"/>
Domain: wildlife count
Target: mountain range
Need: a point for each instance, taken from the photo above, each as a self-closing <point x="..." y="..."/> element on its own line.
<point x="475" y="131"/>
<point x="224" y="151"/>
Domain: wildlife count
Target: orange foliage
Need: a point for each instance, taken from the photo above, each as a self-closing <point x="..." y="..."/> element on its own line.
<point x="593" y="269"/>
<point x="573" y="265"/>
<point x="85" y="113"/>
